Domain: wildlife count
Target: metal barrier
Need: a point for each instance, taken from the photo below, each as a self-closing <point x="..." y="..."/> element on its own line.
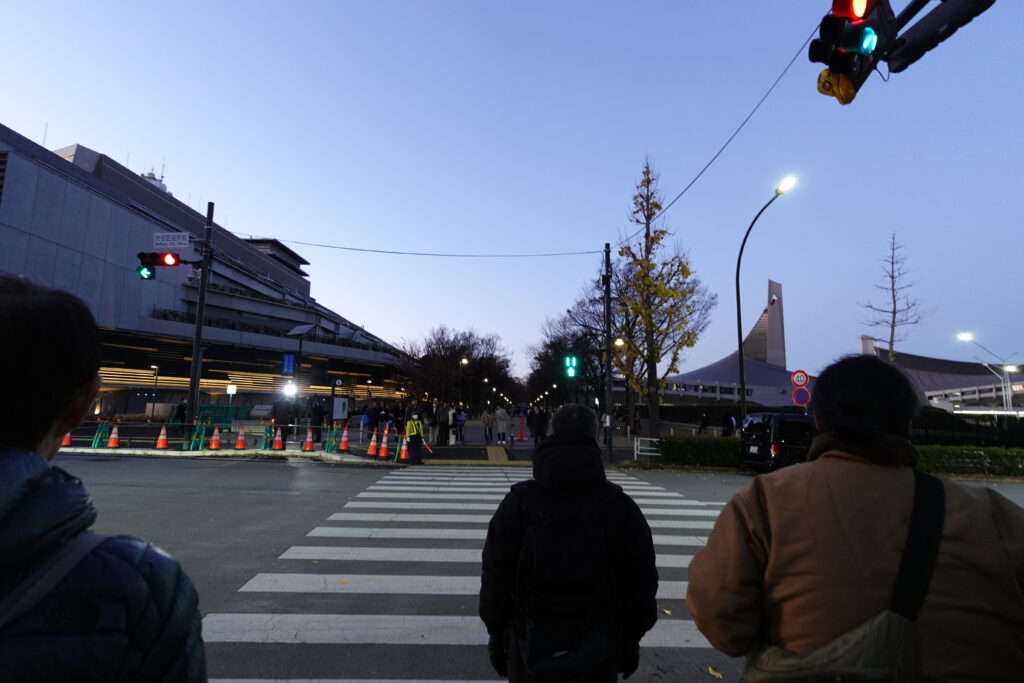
<point x="645" y="447"/>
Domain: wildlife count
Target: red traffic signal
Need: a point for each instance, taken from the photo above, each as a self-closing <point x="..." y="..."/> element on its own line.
<point x="170" y="258"/>
<point x="851" y="9"/>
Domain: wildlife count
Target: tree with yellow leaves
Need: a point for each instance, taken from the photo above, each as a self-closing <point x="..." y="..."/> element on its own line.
<point x="661" y="305"/>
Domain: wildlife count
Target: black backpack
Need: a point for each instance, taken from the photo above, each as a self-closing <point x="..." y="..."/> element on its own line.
<point x="565" y="616"/>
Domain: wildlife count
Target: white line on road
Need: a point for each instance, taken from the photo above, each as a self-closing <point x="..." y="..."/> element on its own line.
<point x="404" y="517"/>
<point x="420" y="505"/>
<point x="394" y="585"/>
<point x="399" y="629"/>
<point x="638" y="498"/>
<point x="459" y="534"/>
<point x="493" y="489"/>
<point x="346" y="553"/>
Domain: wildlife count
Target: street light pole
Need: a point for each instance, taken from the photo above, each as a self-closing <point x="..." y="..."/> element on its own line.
<point x="783" y="187"/>
<point x="608" y="347"/>
<point x="156" y="375"/>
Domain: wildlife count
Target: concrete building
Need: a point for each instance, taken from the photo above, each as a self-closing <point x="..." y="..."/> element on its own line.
<point x="75" y="219"/>
<point x="768" y="381"/>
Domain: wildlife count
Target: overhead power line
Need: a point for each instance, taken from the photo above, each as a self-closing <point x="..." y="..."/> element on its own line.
<point x="573" y="253"/>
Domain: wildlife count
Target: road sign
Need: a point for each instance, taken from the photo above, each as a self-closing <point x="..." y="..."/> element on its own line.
<point x="170" y="241"/>
<point x="799" y="378"/>
<point x="801" y="396"/>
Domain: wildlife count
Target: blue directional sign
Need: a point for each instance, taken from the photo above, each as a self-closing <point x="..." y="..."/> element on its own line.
<point x="288" y="364"/>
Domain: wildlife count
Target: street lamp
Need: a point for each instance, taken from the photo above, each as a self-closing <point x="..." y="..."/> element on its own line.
<point x="300" y="332"/>
<point x="786" y="185"/>
<point x="1006" y="384"/>
<point x="156" y="374"/>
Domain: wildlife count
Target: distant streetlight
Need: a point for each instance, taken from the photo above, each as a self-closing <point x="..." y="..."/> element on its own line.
<point x="1005" y="382"/>
<point x="464" y="361"/>
<point x="619" y="342"/>
<point x="290" y="389"/>
<point x="786" y="185"/>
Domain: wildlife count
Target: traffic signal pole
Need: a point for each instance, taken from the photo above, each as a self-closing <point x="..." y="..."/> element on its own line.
<point x="608" y="344"/>
<point x="197" y="336"/>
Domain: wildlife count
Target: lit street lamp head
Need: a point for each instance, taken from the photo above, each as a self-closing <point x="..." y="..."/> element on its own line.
<point x="787" y="184"/>
<point x="965" y="337"/>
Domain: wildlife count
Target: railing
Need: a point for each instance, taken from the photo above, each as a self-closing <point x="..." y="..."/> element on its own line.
<point x="645" y="447"/>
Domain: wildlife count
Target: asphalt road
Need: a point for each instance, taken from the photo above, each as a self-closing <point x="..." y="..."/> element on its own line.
<point x="300" y="578"/>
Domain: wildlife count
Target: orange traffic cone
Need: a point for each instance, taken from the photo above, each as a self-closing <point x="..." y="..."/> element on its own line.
<point x="113" y="441"/>
<point x="161" y="441"/>
<point x="372" y="450"/>
<point x="240" y="443"/>
<point x="215" y="440"/>
<point x="308" y="447"/>
<point x="344" y="441"/>
<point x="403" y="452"/>
<point x="384" y="446"/>
<point x="67" y="440"/>
<point x="278" y="443"/>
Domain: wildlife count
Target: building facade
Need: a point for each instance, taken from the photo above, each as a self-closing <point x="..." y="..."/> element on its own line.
<point x="75" y="219"/>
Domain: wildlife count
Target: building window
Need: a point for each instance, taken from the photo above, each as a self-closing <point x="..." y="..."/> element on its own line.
<point x="725" y="390"/>
<point x="3" y="173"/>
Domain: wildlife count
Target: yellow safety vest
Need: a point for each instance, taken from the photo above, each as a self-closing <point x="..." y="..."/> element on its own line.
<point x="414" y="428"/>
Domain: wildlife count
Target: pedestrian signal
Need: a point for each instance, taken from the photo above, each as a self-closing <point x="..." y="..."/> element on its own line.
<point x="570" y="366"/>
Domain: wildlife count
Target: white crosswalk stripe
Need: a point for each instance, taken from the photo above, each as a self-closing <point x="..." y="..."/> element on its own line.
<point x="431" y="520"/>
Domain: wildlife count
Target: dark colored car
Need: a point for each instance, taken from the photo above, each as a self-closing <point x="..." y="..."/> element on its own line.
<point x="774" y="440"/>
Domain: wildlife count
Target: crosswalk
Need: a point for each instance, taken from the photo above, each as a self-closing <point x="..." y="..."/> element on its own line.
<point x="397" y="568"/>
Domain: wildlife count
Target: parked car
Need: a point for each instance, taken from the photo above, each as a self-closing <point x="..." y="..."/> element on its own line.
<point x="774" y="440"/>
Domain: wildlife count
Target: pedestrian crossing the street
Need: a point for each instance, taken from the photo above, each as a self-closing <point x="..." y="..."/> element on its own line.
<point x="388" y="583"/>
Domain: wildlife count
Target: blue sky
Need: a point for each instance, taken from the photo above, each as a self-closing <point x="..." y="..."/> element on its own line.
<point x="520" y="127"/>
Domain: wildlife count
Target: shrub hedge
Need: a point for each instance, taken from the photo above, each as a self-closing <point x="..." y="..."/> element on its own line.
<point x="714" y="451"/>
<point x="703" y="451"/>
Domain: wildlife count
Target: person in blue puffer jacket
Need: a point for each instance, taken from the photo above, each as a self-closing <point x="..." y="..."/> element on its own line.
<point x="127" y="611"/>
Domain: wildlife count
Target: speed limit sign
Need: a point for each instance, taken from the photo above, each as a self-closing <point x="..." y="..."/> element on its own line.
<point x="799" y="378"/>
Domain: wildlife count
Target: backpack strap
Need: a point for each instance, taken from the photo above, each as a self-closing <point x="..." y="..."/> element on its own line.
<point x="41" y="580"/>
<point x="921" y="547"/>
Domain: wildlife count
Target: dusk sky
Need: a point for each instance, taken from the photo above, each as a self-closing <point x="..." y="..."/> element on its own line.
<point x="486" y="127"/>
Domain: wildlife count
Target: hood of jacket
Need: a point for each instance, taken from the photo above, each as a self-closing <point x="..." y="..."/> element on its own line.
<point x="568" y="463"/>
<point x="41" y="507"/>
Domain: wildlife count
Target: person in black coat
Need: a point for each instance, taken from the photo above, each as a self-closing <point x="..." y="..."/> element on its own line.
<point x="567" y="467"/>
<point x="126" y="611"/>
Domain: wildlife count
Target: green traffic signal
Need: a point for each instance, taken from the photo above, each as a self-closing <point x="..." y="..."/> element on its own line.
<point x="570" y="366"/>
<point x="146" y="273"/>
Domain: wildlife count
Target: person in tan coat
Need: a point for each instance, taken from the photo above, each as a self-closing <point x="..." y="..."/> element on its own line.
<point x="807" y="553"/>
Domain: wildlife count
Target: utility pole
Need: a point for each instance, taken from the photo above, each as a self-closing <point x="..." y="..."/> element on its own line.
<point x="608" y="344"/>
<point x="197" y="336"/>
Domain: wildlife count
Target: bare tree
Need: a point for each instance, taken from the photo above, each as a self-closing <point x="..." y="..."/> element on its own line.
<point x="899" y="309"/>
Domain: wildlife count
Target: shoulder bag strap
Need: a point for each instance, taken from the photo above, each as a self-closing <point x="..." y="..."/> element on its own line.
<point x="41" y="580"/>
<point x="921" y="547"/>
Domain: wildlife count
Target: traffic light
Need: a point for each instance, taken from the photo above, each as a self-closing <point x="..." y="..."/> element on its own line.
<point x="851" y="40"/>
<point x="149" y="260"/>
<point x="570" y="366"/>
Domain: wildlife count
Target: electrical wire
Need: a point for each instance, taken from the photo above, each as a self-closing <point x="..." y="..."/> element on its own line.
<point x="734" y="134"/>
<point x="574" y="253"/>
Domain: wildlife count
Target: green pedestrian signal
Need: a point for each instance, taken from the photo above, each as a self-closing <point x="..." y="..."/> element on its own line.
<point x="570" y="366"/>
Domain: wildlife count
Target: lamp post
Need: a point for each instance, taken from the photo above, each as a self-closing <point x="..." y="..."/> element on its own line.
<point x="785" y="186"/>
<point x="464" y="361"/>
<point x="1006" y="384"/>
<point x="156" y="375"/>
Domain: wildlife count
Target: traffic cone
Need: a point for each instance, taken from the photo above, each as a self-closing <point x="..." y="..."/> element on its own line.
<point x="384" y="446"/>
<point x="403" y="452"/>
<point x="215" y="440"/>
<point x="308" y="447"/>
<point x="372" y="450"/>
<point x="113" y="441"/>
<point x="344" y="440"/>
<point x="278" y="443"/>
<point x="521" y="420"/>
<point x="67" y="440"/>
<point x="240" y="443"/>
<point x="161" y="441"/>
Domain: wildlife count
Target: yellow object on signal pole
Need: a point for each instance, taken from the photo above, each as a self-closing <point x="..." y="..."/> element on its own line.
<point x="836" y="85"/>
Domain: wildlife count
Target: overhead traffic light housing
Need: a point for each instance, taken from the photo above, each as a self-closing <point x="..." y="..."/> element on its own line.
<point x="851" y="40"/>
<point x="150" y="260"/>
<point x="571" y="362"/>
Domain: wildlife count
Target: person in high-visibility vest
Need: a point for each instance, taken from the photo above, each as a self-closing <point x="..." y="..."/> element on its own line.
<point x="414" y="437"/>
